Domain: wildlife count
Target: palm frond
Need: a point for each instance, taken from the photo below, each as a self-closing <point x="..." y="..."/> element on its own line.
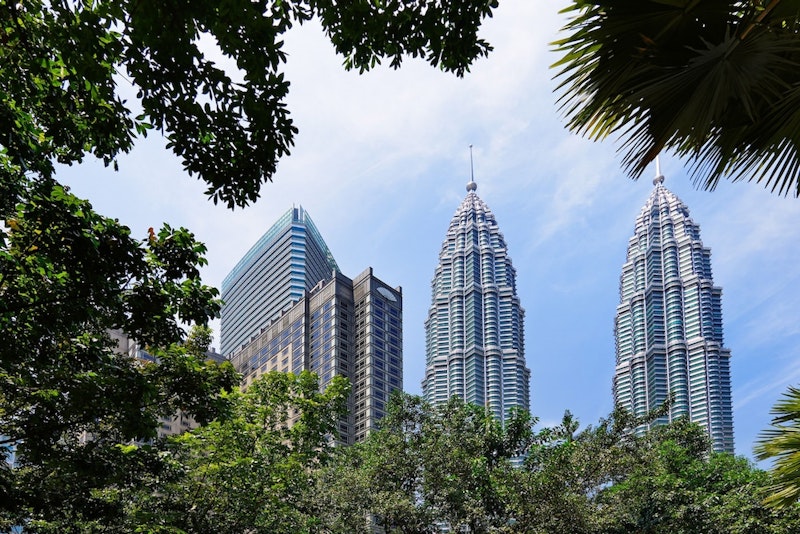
<point x="781" y="442"/>
<point x="715" y="81"/>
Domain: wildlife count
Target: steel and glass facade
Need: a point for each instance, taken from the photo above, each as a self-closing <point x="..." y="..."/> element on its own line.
<point x="474" y="330"/>
<point x="342" y="327"/>
<point x="668" y="326"/>
<point x="288" y="260"/>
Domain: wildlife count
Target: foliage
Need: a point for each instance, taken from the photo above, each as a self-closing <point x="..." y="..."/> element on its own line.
<point x="607" y="479"/>
<point x="61" y="61"/>
<point x="454" y="466"/>
<point x="781" y="442"/>
<point x="199" y="339"/>
<point x="676" y="484"/>
<point x="251" y="472"/>
<point x="717" y="81"/>
<point x="427" y="467"/>
<point x="81" y="414"/>
<point x="69" y="400"/>
<point x="380" y="480"/>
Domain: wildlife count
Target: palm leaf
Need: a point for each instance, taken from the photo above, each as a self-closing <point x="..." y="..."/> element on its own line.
<point x="781" y="442"/>
<point x="712" y="80"/>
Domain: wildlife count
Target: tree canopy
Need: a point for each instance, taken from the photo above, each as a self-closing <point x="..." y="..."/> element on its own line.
<point x="454" y="466"/>
<point x="61" y="62"/>
<point x="82" y="415"/>
<point x="428" y="466"/>
<point x="715" y="81"/>
<point x="252" y="471"/>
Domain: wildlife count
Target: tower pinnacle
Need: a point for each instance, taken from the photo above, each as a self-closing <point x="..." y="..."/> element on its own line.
<point x="471" y="185"/>
<point x="659" y="179"/>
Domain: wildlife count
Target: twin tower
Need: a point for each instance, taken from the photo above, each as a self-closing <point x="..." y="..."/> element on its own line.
<point x="288" y="308"/>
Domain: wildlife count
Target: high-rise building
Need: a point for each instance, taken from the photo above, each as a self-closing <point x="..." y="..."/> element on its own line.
<point x="169" y="425"/>
<point x="288" y="260"/>
<point x="474" y="331"/>
<point x="344" y="327"/>
<point x="668" y="326"/>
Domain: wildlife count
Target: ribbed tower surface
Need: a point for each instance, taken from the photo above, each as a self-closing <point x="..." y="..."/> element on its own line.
<point x="668" y="325"/>
<point x="474" y="330"/>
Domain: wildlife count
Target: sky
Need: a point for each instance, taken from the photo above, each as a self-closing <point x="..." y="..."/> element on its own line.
<point x="381" y="164"/>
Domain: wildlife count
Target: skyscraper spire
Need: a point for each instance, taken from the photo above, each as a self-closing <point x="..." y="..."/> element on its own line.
<point x="471" y="185"/>
<point x="659" y="179"/>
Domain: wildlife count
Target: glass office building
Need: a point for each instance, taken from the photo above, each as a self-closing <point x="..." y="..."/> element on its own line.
<point x="474" y="329"/>
<point x="342" y="327"/>
<point x="668" y="325"/>
<point x="288" y="260"/>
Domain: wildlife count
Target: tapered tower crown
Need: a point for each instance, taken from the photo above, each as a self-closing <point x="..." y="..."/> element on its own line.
<point x="288" y="260"/>
<point x="474" y="329"/>
<point x="668" y="326"/>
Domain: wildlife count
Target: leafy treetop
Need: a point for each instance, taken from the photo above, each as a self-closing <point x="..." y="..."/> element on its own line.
<point x="61" y="61"/>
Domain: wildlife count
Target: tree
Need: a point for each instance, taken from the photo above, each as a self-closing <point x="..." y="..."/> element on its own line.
<point x="381" y="479"/>
<point x="199" y="339"/>
<point x="251" y="472"/>
<point x="68" y="274"/>
<point x="550" y="493"/>
<point x="467" y="455"/>
<point x="61" y="61"/>
<point x="429" y="466"/>
<point x="718" y="82"/>
<point x="781" y="442"/>
<point x="608" y="479"/>
<point x="73" y="405"/>
<point x="674" y="483"/>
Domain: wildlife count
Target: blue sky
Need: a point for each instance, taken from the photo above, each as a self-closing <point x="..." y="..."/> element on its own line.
<point x="381" y="164"/>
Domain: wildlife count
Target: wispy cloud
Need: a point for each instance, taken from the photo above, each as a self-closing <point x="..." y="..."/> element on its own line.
<point x="769" y="386"/>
